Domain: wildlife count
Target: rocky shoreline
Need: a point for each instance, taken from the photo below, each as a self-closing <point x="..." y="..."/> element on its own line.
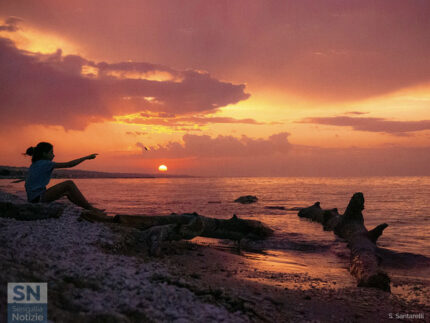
<point x="94" y="277"/>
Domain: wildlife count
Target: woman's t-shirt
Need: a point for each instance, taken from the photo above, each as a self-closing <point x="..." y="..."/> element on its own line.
<point x="38" y="177"/>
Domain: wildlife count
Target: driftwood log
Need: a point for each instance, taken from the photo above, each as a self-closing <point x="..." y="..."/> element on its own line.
<point x="29" y="211"/>
<point x="155" y="229"/>
<point x="194" y="225"/>
<point x="365" y="261"/>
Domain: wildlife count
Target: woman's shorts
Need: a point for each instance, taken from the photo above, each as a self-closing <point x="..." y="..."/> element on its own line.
<point x="37" y="199"/>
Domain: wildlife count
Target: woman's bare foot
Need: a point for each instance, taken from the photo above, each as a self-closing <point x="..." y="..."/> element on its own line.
<point x="95" y="216"/>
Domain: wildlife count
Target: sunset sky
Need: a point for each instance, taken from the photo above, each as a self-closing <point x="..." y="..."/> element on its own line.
<point x="219" y="87"/>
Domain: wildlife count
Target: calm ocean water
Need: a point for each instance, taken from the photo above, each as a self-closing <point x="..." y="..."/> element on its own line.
<point x="402" y="202"/>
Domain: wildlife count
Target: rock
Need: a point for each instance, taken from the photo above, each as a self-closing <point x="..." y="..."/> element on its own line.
<point x="248" y="199"/>
<point x="30" y="211"/>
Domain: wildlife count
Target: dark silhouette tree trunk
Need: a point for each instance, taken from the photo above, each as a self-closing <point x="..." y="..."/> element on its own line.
<point x="365" y="262"/>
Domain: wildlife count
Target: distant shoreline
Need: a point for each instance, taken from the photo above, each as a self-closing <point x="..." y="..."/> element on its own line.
<point x="10" y="172"/>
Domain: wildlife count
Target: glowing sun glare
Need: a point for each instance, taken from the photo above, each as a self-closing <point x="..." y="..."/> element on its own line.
<point x="162" y="168"/>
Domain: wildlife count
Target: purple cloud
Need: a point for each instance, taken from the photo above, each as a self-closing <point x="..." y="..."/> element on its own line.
<point x="275" y="156"/>
<point x="171" y="120"/>
<point x="372" y="124"/>
<point x="356" y="112"/>
<point x="222" y="146"/>
<point x="52" y="90"/>
<point x="11" y="24"/>
<point x="325" y="50"/>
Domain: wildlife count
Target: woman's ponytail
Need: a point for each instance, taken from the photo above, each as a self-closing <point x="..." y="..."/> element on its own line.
<point x="30" y="151"/>
<point x="37" y="152"/>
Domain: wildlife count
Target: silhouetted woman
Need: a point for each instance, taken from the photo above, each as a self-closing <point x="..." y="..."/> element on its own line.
<point x="39" y="175"/>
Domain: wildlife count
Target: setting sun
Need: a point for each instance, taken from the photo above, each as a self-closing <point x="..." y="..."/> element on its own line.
<point x="162" y="168"/>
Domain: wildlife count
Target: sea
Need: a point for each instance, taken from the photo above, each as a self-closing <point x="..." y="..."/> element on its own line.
<point x="298" y="245"/>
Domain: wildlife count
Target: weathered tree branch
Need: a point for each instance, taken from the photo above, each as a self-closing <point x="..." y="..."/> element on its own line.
<point x="362" y="243"/>
<point x="234" y="228"/>
<point x="155" y="229"/>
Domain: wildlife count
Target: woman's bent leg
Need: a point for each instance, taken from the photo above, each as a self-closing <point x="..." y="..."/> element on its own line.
<point x="69" y="189"/>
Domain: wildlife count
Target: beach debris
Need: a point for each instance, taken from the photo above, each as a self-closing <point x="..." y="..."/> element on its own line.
<point x="364" y="265"/>
<point x="247" y="199"/>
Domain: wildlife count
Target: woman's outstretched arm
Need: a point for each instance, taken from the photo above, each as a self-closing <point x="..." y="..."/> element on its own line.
<point x="74" y="162"/>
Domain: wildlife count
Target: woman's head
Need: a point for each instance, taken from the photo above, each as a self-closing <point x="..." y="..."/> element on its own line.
<point x="43" y="150"/>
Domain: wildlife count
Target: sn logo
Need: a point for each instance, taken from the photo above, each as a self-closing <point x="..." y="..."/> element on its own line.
<point x="19" y="294"/>
<point x="34" y="293"/>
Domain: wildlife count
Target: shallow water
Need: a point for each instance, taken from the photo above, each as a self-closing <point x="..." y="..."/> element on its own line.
<point x="299" y="245"/>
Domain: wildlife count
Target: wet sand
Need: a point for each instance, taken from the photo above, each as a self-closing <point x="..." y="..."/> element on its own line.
<point x="268" y="294"/>
<point x="93" y="276"/>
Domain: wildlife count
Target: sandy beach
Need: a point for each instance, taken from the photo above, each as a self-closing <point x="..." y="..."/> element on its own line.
<point x="94" y="275"/>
